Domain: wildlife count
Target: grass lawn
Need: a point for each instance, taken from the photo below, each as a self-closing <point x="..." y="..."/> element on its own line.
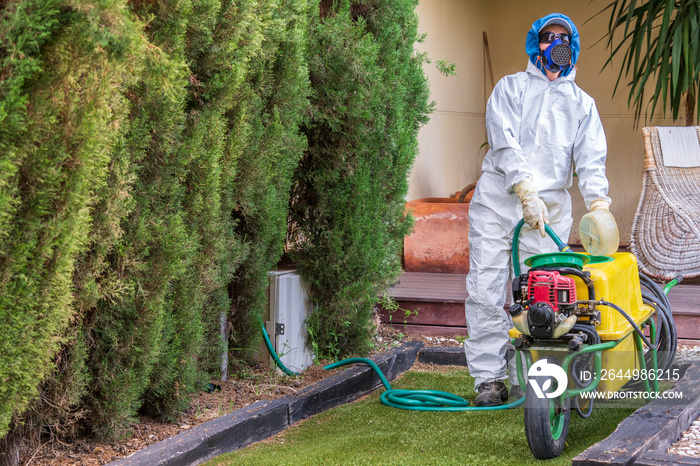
<point x="366" y="432"/>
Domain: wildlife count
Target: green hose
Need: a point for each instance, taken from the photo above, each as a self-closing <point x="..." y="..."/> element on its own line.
<point x="420" y="400"/>
<point x="673" y="283"/>
<point x="272" y="351"/>
<point x="562" y="246"/>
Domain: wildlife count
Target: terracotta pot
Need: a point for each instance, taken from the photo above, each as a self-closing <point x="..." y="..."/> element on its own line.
<point x="439" y="242"/>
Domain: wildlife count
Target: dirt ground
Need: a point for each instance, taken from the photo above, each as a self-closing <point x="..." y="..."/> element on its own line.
<point x="247" y="384"/>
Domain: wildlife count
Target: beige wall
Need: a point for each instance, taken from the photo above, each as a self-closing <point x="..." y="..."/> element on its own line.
<point x="449" y="156"/>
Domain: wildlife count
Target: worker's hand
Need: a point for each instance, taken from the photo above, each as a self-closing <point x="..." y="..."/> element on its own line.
<point x="534" y="209"/>
<point x="599" y="204"/>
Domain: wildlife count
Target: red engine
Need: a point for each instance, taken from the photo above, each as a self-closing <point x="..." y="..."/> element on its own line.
<point x="552" y="288"/>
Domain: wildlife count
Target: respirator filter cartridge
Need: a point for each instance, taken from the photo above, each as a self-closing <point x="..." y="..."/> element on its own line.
<point x="557" y="56"/>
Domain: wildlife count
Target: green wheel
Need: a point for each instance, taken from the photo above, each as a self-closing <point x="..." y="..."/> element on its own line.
<point x="546" y="419"/>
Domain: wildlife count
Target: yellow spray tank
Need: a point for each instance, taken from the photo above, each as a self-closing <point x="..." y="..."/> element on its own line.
<point x="614" y="279"/>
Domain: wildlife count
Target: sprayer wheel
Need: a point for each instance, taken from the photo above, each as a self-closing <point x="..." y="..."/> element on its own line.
<point x="546" y="420"/>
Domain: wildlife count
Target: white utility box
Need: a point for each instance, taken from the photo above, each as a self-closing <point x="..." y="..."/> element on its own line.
<point x="286" y="327"/>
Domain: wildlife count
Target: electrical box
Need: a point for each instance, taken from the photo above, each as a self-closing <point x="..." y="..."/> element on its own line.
<point x="286" y="325"/>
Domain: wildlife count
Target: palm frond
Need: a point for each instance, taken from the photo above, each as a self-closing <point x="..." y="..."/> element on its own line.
<point x="660" y="49"/>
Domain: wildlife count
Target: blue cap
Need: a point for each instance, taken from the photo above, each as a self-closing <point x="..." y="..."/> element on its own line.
<point x="532" y="42"/>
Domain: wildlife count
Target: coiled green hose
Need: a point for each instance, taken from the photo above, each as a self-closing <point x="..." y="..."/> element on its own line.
<point x="420" y="400"/>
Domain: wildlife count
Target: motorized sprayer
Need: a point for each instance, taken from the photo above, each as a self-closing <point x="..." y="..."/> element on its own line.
<point x="581" y="316"/>
<point x="545" y="304"/>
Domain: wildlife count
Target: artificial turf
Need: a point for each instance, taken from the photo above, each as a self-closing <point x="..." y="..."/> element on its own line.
<point x="366" y="432"/>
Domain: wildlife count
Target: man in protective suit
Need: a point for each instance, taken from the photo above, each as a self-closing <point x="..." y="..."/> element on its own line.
<point x="540" y="126"/>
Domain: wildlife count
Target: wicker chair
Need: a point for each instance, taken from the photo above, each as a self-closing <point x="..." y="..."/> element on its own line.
<point x="666" y="228"/>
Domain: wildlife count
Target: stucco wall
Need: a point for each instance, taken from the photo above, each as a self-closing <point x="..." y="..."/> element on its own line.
<point x="450" y="157"/>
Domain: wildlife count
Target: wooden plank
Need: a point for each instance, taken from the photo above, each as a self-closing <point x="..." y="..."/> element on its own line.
<point x="439" y="300"/>
<point x="445" y="287"/>
<point x="687" y="327"/>
<point x="422" y="313"/>
<point x="688" y="335"/>
<point x="657" y="458"/>
<point x="443" y="356"/>
<point x="432" y="330"/>
<point x="685" y="300"/>
<point x="435" y="287"/>
<point x="444" y="314"/>
<point x="652" y="427"/>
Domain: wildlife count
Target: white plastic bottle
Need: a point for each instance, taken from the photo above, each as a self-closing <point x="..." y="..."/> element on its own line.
<point x="599" y="234"/>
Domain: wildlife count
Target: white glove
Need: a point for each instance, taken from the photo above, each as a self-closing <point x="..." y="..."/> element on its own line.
<point x="534" y="209"/>
<point x="599" y="204"/>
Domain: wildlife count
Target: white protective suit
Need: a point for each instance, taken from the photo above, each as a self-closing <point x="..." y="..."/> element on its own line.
<point x="537" y="129"/>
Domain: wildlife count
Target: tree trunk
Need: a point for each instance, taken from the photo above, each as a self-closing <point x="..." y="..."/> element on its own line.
<point x="11" y="446"/>
<point x="224" y="343"/>
<point x="690" y="108"/>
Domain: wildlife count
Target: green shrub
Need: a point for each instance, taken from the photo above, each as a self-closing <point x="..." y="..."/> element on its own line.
<point x="61" y="109"/>
<point x="369" y="98"/>
<point x="147" y="155"/>
<point x="266" y="127"/>
<point x="126" y="335"/>
<point x="223" y="37"/>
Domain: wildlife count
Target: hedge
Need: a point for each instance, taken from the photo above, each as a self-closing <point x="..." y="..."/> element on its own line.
<point x="152" y="156"/>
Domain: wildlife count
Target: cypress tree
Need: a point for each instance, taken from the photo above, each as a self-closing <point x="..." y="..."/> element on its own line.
<point x="227" y="143"/>
<point x="125" y="335"/>
<point x="266" y="127"/>
<point x="218" y="50"/>
<point x="369" y="99"/>
<point x="63" y="65"/>
<point x="222" y="89"/>
<point x="141" y="199"/>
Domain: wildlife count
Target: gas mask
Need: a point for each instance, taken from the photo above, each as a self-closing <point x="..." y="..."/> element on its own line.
<point x="557" y="56"/>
